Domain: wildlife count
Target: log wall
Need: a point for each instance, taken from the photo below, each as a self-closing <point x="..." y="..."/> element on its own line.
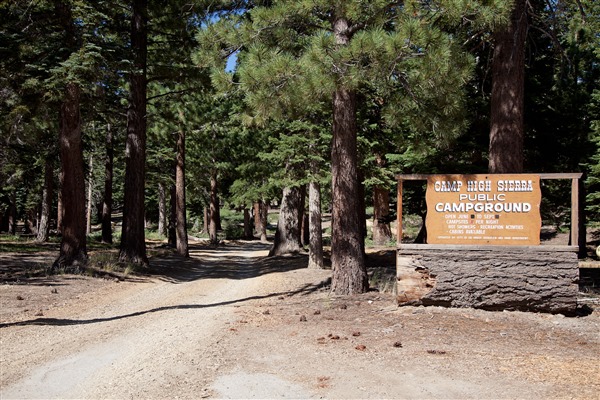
<point x="489" y="279"/>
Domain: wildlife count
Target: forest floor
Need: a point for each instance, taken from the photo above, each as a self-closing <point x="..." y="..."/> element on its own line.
<point x="230" y="323"/>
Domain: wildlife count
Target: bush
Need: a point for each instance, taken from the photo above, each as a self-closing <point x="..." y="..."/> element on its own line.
<point x="233" y="231"/>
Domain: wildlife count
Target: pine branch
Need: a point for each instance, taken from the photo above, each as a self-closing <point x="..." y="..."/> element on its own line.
<point x="581" y="10"/>
<point x="319" y="27"/>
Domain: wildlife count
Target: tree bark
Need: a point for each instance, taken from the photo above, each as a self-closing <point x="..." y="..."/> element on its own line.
<point x="247" y="225"/>
<point x="315" y="245"/>
<point x="12" y="214"/>
<point x="29" y="222"/>
<point x="4" y="218"/>
<point x="181" y="224"/>
<point x="289" y="226"/>
<point x="73" y="251"/>
<point x="347" y="241"/>
<point x="347" y="256"/>
<point x="305" y="235"/>
<point x="382" y="233"/>
<point x="133" y="240"/>
<point x="531" y="280"/>
<point x="256" y="212"/>
<point x="60" y="209"/>
<point x="107" y="203"/>
<point x="88" y="225"/>
<point x="263" y="212"/>
<point x="173" y="217"/>
<point x="362" y="209"/>
<point x="507" y="99"/>
<point x="205" y="218"/>
<point x="47" y="195"/>
<point x="214" y="209"/>
<point x="162" y="210"/>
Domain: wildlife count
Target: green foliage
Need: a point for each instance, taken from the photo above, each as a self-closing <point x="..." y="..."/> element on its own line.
<point x="250" y="179"/>
<point x="408" y="69"/>
<point x="289" y="166"/>
<point x="39" y="56"/>
<point x="402" y="55"/>
<point x="262" y="126"/>
<point x="593" y="178"/>
<point x="233" y="230"/>
<point x="586" y="35"/>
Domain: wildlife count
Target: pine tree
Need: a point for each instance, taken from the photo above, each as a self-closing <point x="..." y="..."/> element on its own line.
<point x="133" y="245"/>
<point x="300" y="52"/>
<point x="180" y="209"/>
<point x="290" y="172"/>
<point x="252" y="184"/>
<point x="47" y="195"/>
<point x="107" y="198"/>
<point x="60" y="53"/>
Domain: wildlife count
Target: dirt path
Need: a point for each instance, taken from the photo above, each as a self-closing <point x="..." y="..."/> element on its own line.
<point x="229" y="323"/>
<point x="154" y="339"/>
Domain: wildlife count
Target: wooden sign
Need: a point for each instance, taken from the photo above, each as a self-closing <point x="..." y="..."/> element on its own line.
<point x="483" y="209"/>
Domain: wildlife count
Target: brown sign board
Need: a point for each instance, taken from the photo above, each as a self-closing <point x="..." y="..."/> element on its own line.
<point x="494" y="209"/>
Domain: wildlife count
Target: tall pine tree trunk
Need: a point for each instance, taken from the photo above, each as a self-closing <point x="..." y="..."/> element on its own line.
<point x="507" y="100"/>
<point x="162" y="210"/>
<point x="47" y="195"/>
<point x="30" y="227"/>
<point x="107" y="236"/>
<point x="181" y="224"/>
<point x="315" y="245"/>
<point x="247" y="225"/>
<point x="88" y="218"/>
<point x="214" y="209"/>
<point x="362" y="209"/>
<point x="305" y="233"/>
<point x="289" y="226"/>
<point x="12" y="214"/>
<point x="60" y="209"/>
<point x="256" y="212"/>
<point x="133" y="240"/>
<point x="264" y="220"/>
<point x="382" y="233"/>
<point x="73" y="252"/>
<point x="205" y="219"/>
<point x="4" y="217"/>
<point x="173" y="217"/>
<point x="262" y="212"/>
<point x="347" y="242"/>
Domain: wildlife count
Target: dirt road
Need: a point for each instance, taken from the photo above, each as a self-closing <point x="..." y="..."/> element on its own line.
<point x="229" y="323"/>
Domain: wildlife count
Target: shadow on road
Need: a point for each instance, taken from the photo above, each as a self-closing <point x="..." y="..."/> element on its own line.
<point x="226" y="261"/>
<point x="306" y="289"/>
<point x="235" y="260"/>
<point x="229" y="261"/>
